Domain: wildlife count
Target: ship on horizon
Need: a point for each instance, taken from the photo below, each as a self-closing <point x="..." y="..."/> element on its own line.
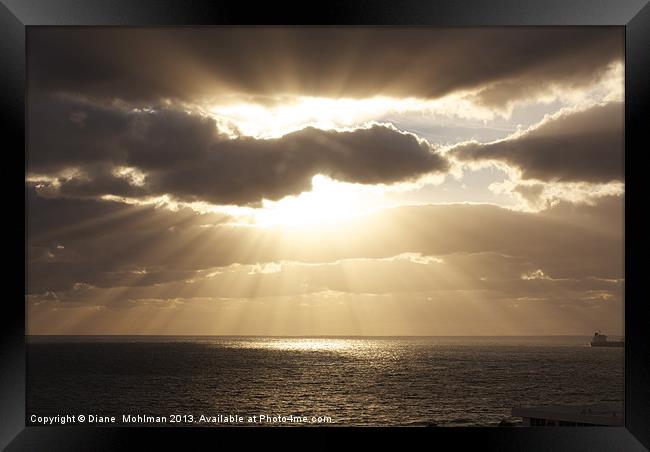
<point x="600" y="340"/>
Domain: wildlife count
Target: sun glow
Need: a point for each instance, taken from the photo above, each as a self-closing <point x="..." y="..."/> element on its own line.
<point x="264" y="121"/>
<point x="272" y="121"/>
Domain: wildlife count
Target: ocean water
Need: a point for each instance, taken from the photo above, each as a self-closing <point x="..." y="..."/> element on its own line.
<point x="443" y="381"/>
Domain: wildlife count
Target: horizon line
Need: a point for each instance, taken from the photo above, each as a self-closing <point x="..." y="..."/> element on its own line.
<point x="319" y="335"/>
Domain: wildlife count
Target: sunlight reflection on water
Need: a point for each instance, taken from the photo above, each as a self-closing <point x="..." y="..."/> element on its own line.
<point x="337" y="345"/>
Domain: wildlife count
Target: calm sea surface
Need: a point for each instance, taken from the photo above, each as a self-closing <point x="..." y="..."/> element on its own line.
<point x="445" y="381"/>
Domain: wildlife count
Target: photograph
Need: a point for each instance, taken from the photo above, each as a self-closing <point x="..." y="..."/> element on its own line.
<point x="265" y="226"/>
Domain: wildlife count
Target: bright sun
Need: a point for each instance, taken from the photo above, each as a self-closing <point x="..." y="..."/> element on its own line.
<point x="329" y="201"/>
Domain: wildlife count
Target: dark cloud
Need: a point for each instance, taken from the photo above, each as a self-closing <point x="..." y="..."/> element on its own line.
<point x="64" y="133"/>
<point x="583" y="146"/>
<point x="245" y="170"/>
<point x="183" y="155"/>
<point x="97" y="181"/>
<point x="147" y="65"/>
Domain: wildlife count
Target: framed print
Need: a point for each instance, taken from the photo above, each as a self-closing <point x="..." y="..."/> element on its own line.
<point x="412" y="218"/>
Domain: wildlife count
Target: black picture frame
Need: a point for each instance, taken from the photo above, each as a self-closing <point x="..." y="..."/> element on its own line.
<point x="17" y="15"/>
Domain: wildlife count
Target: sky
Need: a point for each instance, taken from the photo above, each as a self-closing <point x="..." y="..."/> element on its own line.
<point x="325" y="181"/>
